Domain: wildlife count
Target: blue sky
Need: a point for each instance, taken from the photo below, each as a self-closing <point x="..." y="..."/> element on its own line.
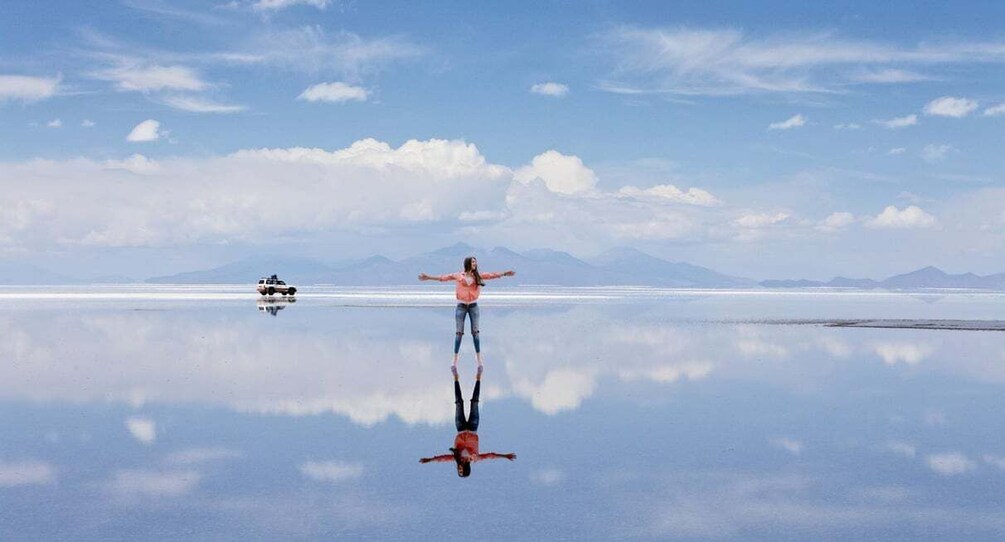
<point x="768" y="140"/>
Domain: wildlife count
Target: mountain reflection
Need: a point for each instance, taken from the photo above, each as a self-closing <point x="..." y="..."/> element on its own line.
<point x="319" y="358"/>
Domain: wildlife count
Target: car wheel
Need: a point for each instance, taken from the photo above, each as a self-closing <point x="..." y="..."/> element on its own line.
<point x="293" y="291"/>
<point x="272" y="291"/>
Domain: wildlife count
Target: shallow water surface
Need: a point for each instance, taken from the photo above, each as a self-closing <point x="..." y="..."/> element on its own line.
<point x="208" y="413"/>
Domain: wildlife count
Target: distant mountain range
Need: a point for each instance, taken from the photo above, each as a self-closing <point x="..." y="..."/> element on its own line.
<point x="928" y="277"/>
<point x="620" y="266"/>
<point x="624" y="266"/>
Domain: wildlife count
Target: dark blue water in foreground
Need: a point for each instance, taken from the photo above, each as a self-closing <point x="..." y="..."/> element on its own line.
<point x="162" y="417"/>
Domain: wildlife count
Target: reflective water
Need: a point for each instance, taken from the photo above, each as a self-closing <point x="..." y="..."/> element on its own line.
<point x="178" y="413"/>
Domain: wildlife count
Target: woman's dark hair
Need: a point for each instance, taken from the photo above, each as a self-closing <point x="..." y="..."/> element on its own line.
<point x="463" y="467"/>
<point x="474" y="272"/>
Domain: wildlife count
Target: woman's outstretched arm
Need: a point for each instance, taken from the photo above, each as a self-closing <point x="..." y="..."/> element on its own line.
<point x="438" y="458"/>
<point x="494" y="275"/>
<point x="493" y="455"/>
<point x="441" y="278"/>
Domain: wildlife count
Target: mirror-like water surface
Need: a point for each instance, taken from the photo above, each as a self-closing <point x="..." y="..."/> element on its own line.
<point x="208" y="413"/>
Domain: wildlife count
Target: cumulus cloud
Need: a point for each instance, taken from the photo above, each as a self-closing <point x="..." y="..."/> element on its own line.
<point x="550" y="89"/>
<point x="896" y="150"/>
<point x="947" y="106"/>
<point x="995" y="110"/>
<point x="794" y="121"/>
<point x="908" y="353"/>
<point x="334" y="92"/>
<point x="87" y="123"/>
<point x="144" y="430"/>
<point x="950" y="464"/>
<point x="836" y="221"/>
<point x="899" y="122"/>
<point x="54" y="123"/>
<point x="561" y="173"/>
<point x="561" y="389"/>
<point x="26" y="473"/>
<point x="908" y="218"/>
<point x="137" y="163"/>
<point x="148" y="130"/>
<point x="669" y="192"/>
<point x="936" y="152"/>
<point x="26" y="89"/>
<point x="331" y="471"/>
<point x="689" y="61"/>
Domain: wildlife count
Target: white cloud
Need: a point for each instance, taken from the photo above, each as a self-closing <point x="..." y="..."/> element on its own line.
<point x="899" y="122"/>
<point x="901" y="448"/>
<point x="792" y="446"/>
<point x="560" y="173"/>
<point x="87" y="123"/>
<point x="669" y="192"/>
<point x="950" y="464"/>
<point x="54" y="123"/>
<point x="897" y="150"/>
<point x="936" y="153"/>
<point x="155" y="484"/>
<point x="550" y="89"/>
<point x="27" y="89"/>
<point x="137" y="163"/>
<point x="25" y="473"/>
<point x="994" y="460"/>
<point x="138" y="77"/>
<point x="847" y="126"/>
<point x="908" y="353"/>
<point x="142" y="429"/>
<point x="947" y="106"/>
<point x="331" y="471"/>
<point x="334" y="92"/>
<point x="836" y="221"/>
<point x="194" y="104"/>
<point x="995" y="110"/>
<point x="548" y="477"/>
<point x="889" y="76"/>
<point x="690" y="61"/>
<point x="276" y="5"/>
<point x="792" y="122"/>
<point x="196" y="456"/>
<point x="148" y="130"/>
<point x="760" y="220"/>
<point x="908" y="218"/>
<point x="561" y="389"/>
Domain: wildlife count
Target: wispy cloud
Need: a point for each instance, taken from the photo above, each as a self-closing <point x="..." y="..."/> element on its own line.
<point x="792" y="446"/>
<point x="936" y="152"/>
<point x="195" y="104"/>
<point x="54" y="123"/>
<point x="550" y="88"/>
<point x="155" y="484"/>
<point x="335" y="92"/>
<point x="24" y="473"/>
<point x="995" y="110"/>
<point x="276" y="5"/>
<point x="899" y="122"/>
<point x="137" y="76"/>
<point x="670" y="193"/>
<point x="727" y="61"/>
<point x="794" y="121"/>
<point x="331" y="471"/>
<point x="950" y="464"/>
<point x="26" y="88"/>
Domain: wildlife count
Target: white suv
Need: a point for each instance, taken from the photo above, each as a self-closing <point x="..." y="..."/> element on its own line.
<point x="272" y="285"/>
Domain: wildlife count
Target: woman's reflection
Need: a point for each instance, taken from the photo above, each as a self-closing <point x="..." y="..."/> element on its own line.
<point x="465" y="450"/>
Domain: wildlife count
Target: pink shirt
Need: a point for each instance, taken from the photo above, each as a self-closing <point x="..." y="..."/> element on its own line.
<point x="467" y="288"/>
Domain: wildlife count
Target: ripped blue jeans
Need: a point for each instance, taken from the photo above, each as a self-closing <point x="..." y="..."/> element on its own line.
<point x="463" y="310"/>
